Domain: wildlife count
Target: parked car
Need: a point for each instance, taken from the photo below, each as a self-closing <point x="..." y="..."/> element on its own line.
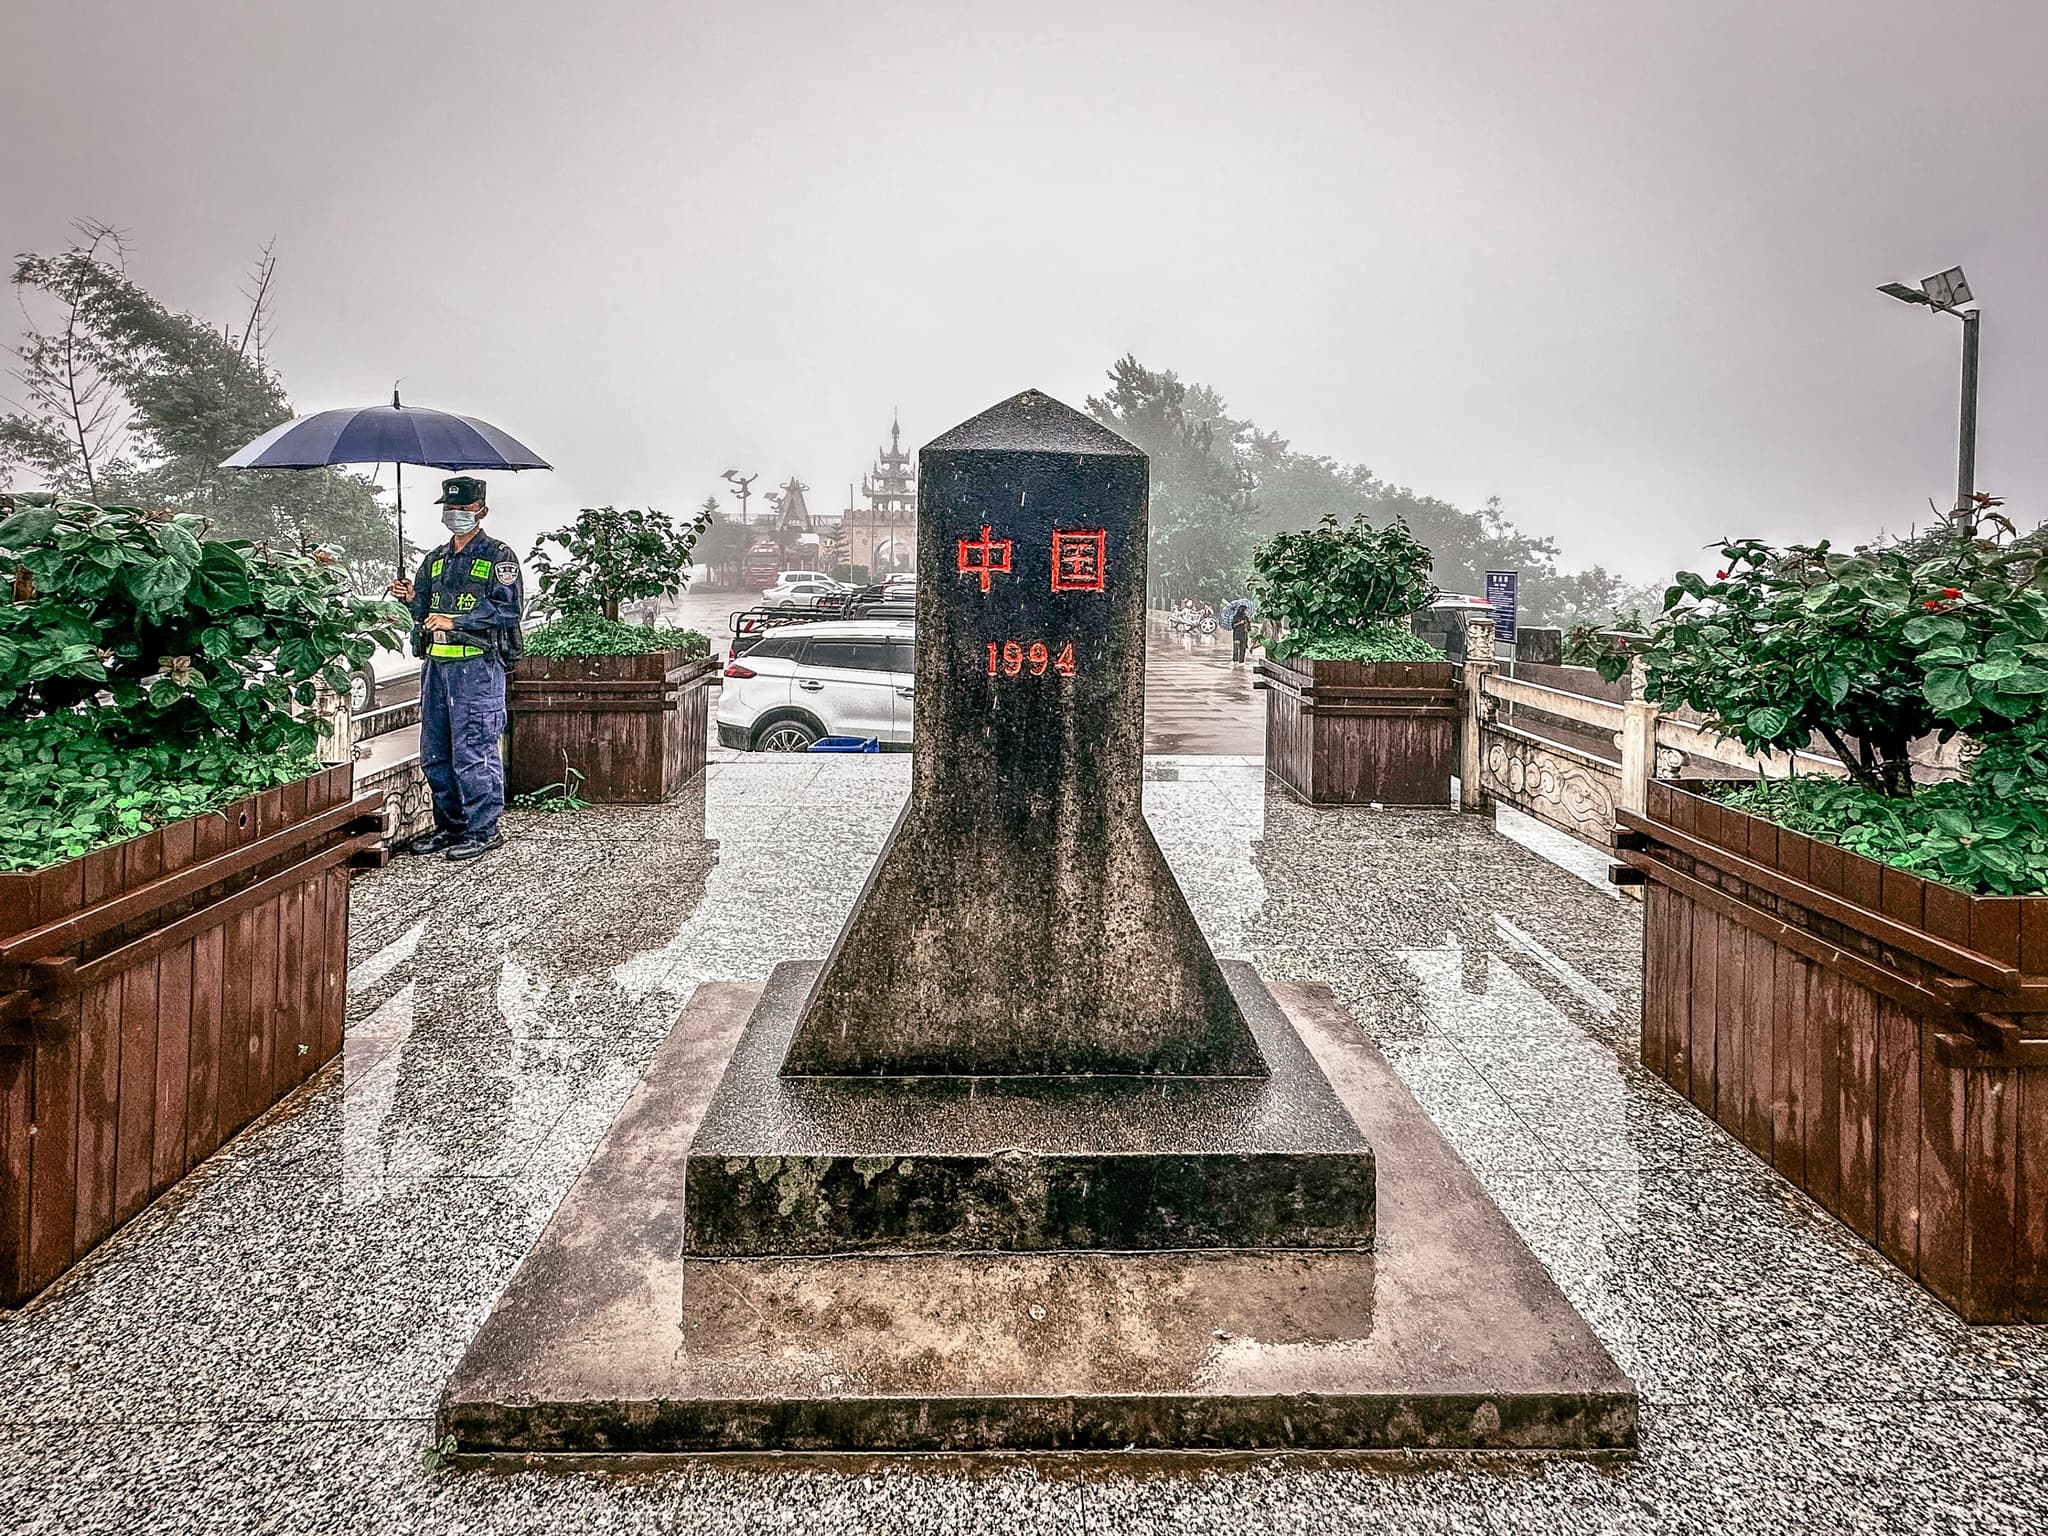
<point x="795" y="684"/>
<point x="750" y="626"/>
<point x="386" y="669"/>
<point x="800" y="594"/>
<point x="893" y="596"/>
<point x="790" y="578"/>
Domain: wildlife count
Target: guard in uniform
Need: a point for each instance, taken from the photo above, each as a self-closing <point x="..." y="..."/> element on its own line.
<point x="466" y="607"/>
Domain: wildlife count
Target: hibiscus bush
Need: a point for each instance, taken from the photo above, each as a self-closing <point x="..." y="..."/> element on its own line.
<point x="1870" y="650"/>
<point x="148" y="672"/>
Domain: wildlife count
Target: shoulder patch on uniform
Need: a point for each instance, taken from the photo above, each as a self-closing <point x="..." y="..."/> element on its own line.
<point x="507" y="572"/>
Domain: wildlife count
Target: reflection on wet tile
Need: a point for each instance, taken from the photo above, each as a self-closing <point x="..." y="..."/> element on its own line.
<point x="1482" y="1127"/>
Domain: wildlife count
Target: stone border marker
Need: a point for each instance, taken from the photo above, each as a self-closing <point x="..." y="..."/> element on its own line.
<point x="1022" y="1167"/>
<point x="1022" y="920"/>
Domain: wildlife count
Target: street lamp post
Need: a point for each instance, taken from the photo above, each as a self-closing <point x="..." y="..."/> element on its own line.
<point x="1946" y="291"/>
<point x="742" y="487"/>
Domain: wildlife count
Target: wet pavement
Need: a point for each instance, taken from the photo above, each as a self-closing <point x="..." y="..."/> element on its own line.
<point x="263" y="1349"/>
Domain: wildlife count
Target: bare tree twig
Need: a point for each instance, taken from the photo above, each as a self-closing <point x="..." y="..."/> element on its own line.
<point x="256" y="329"/>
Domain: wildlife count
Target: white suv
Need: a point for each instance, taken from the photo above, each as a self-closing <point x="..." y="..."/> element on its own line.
<point x="806" y="681"/>
<point x="799" y="594"/>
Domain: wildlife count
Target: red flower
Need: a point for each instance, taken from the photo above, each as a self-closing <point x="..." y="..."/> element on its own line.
<point x="1951" y="591"/>
<point x="1720" y="575"/>
<point x="1932" y="606"/>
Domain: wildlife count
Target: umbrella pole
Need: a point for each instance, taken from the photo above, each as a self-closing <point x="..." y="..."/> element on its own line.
<point x="398" y="470"/>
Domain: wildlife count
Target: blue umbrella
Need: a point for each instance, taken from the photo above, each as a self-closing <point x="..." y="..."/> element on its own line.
<point x="392" y="434"/>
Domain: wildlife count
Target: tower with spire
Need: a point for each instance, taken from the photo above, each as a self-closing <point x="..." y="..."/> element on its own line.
<point x="883" y="534"/>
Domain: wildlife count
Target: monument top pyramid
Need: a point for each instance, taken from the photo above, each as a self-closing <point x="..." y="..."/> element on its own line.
<point x="1033" y="422"/>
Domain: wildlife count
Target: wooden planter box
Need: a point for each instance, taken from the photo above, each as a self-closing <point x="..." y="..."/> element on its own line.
<point x="1359" y="732"/>
<point x="158" y="995"/>
<point x="633" y="726"/>
<point x="1880" y="1039"/>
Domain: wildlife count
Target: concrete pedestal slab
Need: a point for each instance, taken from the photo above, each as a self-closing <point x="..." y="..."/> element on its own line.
<point x="783" y="1166"/>
<point x="1450" y="1334"/>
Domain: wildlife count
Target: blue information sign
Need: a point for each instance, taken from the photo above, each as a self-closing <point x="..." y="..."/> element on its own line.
<point x="1500" y="591"/>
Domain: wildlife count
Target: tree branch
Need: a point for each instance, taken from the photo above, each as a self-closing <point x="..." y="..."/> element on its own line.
<point x="1858" y="771"/>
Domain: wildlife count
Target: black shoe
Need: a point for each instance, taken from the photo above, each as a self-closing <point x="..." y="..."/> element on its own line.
<point x="434" y="841"/>
<point x="474" y="848"/>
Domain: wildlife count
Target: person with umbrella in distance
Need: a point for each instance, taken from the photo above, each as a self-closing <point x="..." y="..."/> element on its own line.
<point x="1238" y="615"/>
<point x="465" y="603"/>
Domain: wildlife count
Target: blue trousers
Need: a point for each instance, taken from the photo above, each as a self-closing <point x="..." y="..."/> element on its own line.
<point x="462" y="718"/>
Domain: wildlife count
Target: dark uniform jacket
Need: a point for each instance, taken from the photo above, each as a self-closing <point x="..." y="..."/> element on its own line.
<point x="479" y="586"/>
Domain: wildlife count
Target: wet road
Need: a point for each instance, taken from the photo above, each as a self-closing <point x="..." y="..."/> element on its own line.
<point x="1197" y="703"/>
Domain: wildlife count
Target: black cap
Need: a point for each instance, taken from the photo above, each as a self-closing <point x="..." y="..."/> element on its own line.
<point x="460" y="491"/>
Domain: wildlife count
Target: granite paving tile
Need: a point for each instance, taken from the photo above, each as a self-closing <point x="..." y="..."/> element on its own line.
<point x="367" y="1476"/>
<point x="1308" y="1497"/>
<point x="1481" y="1126"/>
<point x="261" y="1350"/>
<point x="1820" y="1467"/>
<point x="272" y="1297"/>
<point x="1725" y="1282"/>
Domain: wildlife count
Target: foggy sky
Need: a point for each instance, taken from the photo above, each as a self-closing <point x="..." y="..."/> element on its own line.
<point x="1612" y="261"/>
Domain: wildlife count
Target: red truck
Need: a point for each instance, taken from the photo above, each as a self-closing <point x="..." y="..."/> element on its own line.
<point x="761" y="565"/>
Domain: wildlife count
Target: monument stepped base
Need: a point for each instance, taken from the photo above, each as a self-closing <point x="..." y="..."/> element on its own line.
<point x="609" y="1341"/>
<point x="799" y="1166"/>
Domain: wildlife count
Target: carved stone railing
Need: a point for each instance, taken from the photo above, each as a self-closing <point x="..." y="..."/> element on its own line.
<point x="1573" y="761"/>
<point x="1562" y="782"/>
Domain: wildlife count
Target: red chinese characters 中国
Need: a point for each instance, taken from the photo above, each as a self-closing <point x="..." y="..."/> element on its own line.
<point x="1078" y="563"/>
<point x="992" y="557"/>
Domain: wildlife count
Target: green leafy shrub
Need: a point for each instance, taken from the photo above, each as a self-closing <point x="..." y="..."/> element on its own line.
<point x="612" y="557"/>
<point x="1965" y="833"/>
<point x="592" y="634"/>
<point x="1382" y="642"/>
<point x="148" y="673"/>
<point x="1869" y="649"/>
<point x="1339" y="582"/>
<point x="1872" y="649"/>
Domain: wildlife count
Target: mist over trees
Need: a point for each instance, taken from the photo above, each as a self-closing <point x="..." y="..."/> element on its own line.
<point x="1220" y="485"/>
<point x="119" y="398"/>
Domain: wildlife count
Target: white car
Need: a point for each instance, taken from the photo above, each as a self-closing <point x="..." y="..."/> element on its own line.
<point x="788" y="578"/>
<point x="799" y="594"/>
<point x="851" y="677"/>
<point x="386" y="669"/>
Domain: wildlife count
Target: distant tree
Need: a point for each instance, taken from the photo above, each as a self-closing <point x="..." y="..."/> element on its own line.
<point x="1203" y="527"/>
<point x="125" y="400"/>
<point x="1219" y="485"/>
<point x="72" y="419"/>
<point x="722" y="545"/>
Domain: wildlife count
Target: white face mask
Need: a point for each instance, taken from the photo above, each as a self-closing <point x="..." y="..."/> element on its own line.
<point x="458" y="520"/>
